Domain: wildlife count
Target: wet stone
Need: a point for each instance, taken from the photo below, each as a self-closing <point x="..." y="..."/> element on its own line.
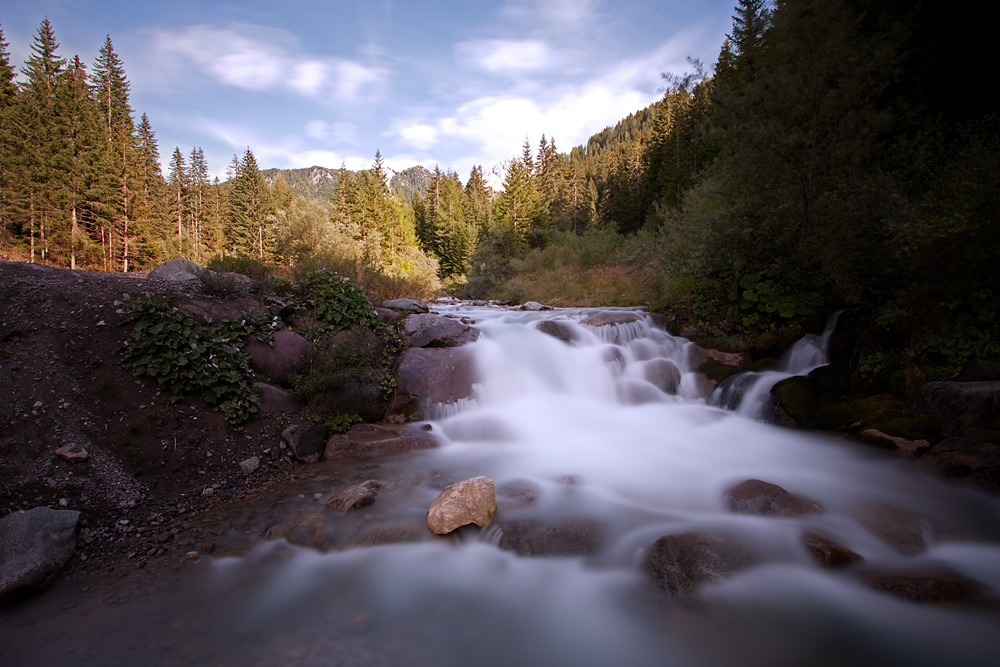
<point x="683" y="564"/>
<point x="354" y="497"/>
<point x="756" y="497"/>
<point x="828" y="554"/>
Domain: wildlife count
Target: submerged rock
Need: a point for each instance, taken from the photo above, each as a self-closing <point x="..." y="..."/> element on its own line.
<point x="683" y="564"/>
<point x="370" y="441"/>
<point x="926" y="589"/>
<point x="575" y="537"/>
<point x="663" y="374"/>
<point x="463" y="503"/>
<point x="310" y="531"/>
<point x="34" y="546"/>
<point x="900" y="528"/>
<point x="354" y="497"/>
<point x="828" y="554"/>
<point x="558" y="330"/>
<point x="756" y="497"/>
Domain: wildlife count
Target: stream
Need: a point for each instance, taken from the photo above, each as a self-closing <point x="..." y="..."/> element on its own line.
<point x="590" y="438"/>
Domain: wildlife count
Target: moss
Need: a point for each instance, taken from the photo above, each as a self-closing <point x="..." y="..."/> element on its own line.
<point x="727" y="343"/>
<point x="893" y="416"/>
<point x="765" y="364"/>
<point x="796" y="397"/>
<point x="718" y="371"/>
<point x="774" y="344"/>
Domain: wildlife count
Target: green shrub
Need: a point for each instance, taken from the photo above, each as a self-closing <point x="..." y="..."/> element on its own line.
<point x="190" y="358"/>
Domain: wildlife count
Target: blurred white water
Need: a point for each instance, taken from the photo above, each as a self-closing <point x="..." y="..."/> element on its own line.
<point x="583" y="428"/>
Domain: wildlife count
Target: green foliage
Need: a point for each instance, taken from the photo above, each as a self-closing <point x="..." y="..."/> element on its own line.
<point x="341" y="423"/>
<point x="338" y="303"/>
<point x="190" y="358"/>
<point x="970" y="329"/>
<point x="767" y="297"/>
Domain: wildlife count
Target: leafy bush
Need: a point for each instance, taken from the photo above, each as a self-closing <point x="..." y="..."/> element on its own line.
<point x="190" y="358"/>
<point x="219" y="284"/>
<point x="338" y="302"/>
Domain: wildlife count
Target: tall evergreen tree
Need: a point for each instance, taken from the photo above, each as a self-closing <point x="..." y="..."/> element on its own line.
<point x="111" y="88"/>
<point x="248" y="227"/>
<point x="178" y="182"/>
<point x="8" y="137"/>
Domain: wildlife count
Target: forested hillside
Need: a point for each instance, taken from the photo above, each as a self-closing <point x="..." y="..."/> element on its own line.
<point x="834" y="156"/>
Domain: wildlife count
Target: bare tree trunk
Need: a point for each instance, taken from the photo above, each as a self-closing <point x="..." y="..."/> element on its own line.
<point x="72" y="241"/>
<point x="31" y="224"/>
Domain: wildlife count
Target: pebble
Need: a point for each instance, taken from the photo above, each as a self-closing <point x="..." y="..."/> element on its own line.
<point x="191" y="555"/>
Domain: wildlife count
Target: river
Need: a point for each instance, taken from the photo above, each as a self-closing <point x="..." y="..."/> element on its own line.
<point x="581" y="428"/>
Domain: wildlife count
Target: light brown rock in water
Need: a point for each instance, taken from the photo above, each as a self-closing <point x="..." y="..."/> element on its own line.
<point x="756" y="497"/>
<point x="471" y="501"/>
<point x="73" y="453"/>
<point x="601" y="319"/>
<point x="900" y="528"/>
<point x="683" y="564"/>
<point x="355" y="497"/>
<point x="926" y="589"/>
<point x="911" y="447"/>
<point x="827" y="554"/>
<point x="309" y="531"/>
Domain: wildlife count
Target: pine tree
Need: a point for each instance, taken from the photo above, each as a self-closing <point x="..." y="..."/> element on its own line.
<point x="8" y="141"/>
<point x="150" y="198"/>
<point x="111" y="88"/>
<point x="38" y="121"/>
<point x="178" y="182"/>
<point x="248" y="228"/>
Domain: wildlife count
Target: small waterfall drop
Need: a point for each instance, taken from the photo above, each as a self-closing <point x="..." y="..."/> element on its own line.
<point x="749" y="394"/>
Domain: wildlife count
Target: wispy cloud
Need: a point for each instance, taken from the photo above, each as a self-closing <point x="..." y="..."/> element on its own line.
<point x="267" y="59"/>
<point x="505" y="56"/>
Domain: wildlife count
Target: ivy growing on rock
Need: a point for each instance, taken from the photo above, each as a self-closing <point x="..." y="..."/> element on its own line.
<point x="188" y="357"/>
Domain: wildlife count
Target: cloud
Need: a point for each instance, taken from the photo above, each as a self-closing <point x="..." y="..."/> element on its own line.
<point x="491" y="128"/>
<point x="267" y="59"/>
<point x="504" y="56"/>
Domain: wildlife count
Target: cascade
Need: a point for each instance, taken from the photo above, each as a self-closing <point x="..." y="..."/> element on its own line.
<point x="613" y="430"/>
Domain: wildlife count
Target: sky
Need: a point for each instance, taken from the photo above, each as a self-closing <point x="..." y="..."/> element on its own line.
<point x="449" y="84"/>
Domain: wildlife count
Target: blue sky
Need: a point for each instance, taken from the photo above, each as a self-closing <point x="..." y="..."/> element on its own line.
<point x="443" y="83"/>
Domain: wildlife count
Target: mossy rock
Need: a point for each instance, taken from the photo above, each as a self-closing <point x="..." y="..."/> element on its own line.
<point x="776" y="343"/>
<point x="727" y="344"/>
<point x="833" y="381"/>
<point x="893" y="416"/>
<point x="765" y="364"/>
<point x="796" y="397"/>
<point x="718" y="371"/>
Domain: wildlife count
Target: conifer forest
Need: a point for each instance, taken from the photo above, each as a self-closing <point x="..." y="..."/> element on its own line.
<point x="835" y="155"/>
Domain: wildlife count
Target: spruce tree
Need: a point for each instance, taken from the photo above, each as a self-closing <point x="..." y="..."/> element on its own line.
<point x="248" y="228"/>
<point x="178" y="183"/>
<point x="8" y="137"/>
<point x="111" y="88"/>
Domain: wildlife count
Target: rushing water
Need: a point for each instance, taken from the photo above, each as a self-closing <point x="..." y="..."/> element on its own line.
<point x="593" y="439"/>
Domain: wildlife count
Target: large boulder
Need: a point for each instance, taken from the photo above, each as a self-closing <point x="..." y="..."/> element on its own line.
<point x="964" y="407"/>
<point x="664" y="374"/>
<point x="34" y="545"/>
<point x="974" y="459"/>
<point x="602" y="319"/>
<point x="698" y="355"/>
<point x="371" y="441"/>
<point x="411" y="305"/>
<point x="275" y="399"/>
<point x="213" y="310"/>
<point x="682" y="564"/>
<point x="306" y="441"/>
<point x="463" y="503"/>
<point x="426" y="376"/>
<point x="559" y="330"/>
<point x="176" y="269"/>
<point x="574" y="537"/>
<point x="756" y="497"/>
<point x="426" y="330"/>
<point x="280" y="361"/>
